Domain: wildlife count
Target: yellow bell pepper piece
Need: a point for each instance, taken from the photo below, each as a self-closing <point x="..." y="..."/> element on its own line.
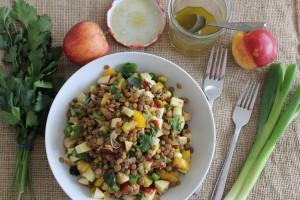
<point x="122" y="84"/>
<point x="105" y="99"/>
<point x="139" y="119"/>
<point x="105" y="187"/>
<point x="172" y="177"/>
<point x="186" y="155"/>
<point x="83" y="166"/>
<point x="128" y="126"/>
<point x="109" y="72"/>
<point x="181" y="164"/>
<point x="99" y="182"/>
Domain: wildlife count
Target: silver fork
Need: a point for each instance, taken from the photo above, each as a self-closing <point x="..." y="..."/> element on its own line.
<point x="241" y="116"/>
<point x="214" y="74"/>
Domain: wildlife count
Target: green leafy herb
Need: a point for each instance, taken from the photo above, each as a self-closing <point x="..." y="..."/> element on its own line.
<point x="175" y="123"/>
<point x="144" y="142"/>
<point x="128" y="68"/>
<point x="27" y="81"/>
<point x="134" y="81"/>
<point x="68" y="129"/>
<point x="83" y="156"/>
<point x="110" y="180"/>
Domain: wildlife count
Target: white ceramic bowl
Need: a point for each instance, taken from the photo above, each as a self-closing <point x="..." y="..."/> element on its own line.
<point x="201" y="125"/>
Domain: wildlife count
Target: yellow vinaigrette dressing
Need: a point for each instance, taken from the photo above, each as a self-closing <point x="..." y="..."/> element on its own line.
<point x="187" y="18"/>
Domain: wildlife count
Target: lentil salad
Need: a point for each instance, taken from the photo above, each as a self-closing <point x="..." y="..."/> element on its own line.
<point x="127" y="137"/>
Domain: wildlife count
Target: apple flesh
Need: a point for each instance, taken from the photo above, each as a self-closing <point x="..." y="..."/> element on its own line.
<point x="85" y="42"/>
<point x="254" y="49"/>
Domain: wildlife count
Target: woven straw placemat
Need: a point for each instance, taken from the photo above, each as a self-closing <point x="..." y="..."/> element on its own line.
<point x="281" y="177"/>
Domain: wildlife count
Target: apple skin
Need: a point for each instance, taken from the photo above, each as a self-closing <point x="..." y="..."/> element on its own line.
<point x="85" y="42"/>
<point x="254" y="49"/>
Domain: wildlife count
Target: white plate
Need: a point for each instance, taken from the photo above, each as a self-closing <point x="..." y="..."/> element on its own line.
<point x="201" y="125"/>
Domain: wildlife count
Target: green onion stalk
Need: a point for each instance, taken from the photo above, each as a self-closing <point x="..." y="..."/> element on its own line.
<point x="273" y="122"/>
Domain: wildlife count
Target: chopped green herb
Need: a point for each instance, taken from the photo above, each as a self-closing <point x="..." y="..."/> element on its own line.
<point x="68" y="129"/>
<point x="110" y="180"/>
<point x="144" y="142"/>
<point x="76" y="130"/>
<point x="134" y="81"/>
<point x="98" y="118"/>
<point x="154" y="176"/>
<point x="153" y="131"/>
<point x="104" y="130"/>
<point x="128" y="68"/>
<point x="115" y="92"/>
<point x="133" y="179"/>
<point x="153" y="76"/>
<point x="74" y="111"/>
<point x="83" y="156"/>
<point x="175" y="123"/>
<point x="132" y="152"/>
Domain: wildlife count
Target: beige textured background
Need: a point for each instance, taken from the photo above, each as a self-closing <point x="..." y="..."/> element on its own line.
<point x="281" y="177"/>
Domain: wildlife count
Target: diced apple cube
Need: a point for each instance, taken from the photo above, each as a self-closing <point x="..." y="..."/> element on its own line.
<point x="128" y="145"/>
<point x="149" y="194"/>
<point x="159" y="133"/>
<point x="74" y="158"/>
<point x="115" y="121"/>
<point x="69" y="142"/>
<point x="182" y="140"/>
<point x="81" y="97"/>
<point x="161" y="185"/>
<point x="122" y="178"/>
<point x="89" y="175"/>
<point x="83" y="181"/>
<point x="159" y="112"/>
<point x="97" y="193"/>
<point x="154" y="150"/>
<point x="127" y="111"/>
<point x="147" y="166"/>
<point x="155" y="140"/>
<point x="176" y="102"/>
<point x="104" y="79"/>
<point x="157" y="122"/>
<point x="146" y="180"/>
<point x="149" y="94"/>
<point x="83" y="147"/>
<point x="140" y="92"/>
<point x="147" y="77"/>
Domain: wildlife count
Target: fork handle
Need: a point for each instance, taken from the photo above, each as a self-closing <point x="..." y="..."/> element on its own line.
<point x="221" y="181"/>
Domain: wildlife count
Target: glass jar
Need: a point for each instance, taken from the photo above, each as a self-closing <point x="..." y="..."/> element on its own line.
<point x="192" y="44"/>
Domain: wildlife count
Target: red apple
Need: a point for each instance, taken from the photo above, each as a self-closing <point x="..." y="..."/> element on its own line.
<point x="254" y="49"/>
<point x="85" y="42"/>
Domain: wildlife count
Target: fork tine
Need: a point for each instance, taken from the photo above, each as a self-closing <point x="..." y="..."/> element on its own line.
<point x="210" y="61"/>
<point x="250" y="95"/>
<point x="214" y="67"/>
<point x="224" y="64"/>
<point x="254" y="96"/>
<point x="243" y="93"/>
<point x="219" y="61"/>
<point x="246" y="96"/>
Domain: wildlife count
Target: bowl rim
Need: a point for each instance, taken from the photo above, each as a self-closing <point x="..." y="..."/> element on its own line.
<point x="210" y="113"/>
